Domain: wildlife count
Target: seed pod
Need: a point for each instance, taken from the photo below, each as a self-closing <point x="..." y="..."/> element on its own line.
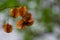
<point x="22" y="10"/>
<point x="30" y="22"/>
<point x="20" y="24"/>
<point x="7" y="28"/>
<point x="14" y="12"/>
<point x="27" y="17"/>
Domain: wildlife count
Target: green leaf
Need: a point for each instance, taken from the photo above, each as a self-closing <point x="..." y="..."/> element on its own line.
<point x="2" y="1"/>
<point x="12" y="3"/>
<point x="46" y="15"/>
<point x="3" y="6"/>
<point x="9" y="4"/>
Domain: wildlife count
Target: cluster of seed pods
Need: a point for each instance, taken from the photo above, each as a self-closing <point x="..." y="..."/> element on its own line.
<point x="26" y="20"/>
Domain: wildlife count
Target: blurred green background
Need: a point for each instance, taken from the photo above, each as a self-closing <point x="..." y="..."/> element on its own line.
<point x="46" y="14"/>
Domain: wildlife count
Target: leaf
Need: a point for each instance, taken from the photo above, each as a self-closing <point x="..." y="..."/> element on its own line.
<point x="2" y="1"/>
<point x="46" y="18"/>
<point x="9" y="4"/>
<point x="12" y="3"/>
<point x="3" y="6"/>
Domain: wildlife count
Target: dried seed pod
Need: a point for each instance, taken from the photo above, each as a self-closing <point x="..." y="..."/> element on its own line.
<point x="7" y="28"/>
<point x="30" y="22"/>
<point x="14" y="12"/>
<point x="20" y="24"/>
<point x="27" y="17"/>
<point x="22" y="10"/>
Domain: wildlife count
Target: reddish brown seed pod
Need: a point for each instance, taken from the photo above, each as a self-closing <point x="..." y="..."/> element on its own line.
<point x="7" y="28"/>
<point x="27" y="20"/>
<point x="27" y="17"/>
<point x="20" y="24"/>
<point x="14" y="12"/>
<point x="22" y="10"/>
<point x="30" y="22"/>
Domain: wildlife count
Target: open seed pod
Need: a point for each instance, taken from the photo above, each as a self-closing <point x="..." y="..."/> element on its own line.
<point x="22" y="10"/>
<point x="7" y="28"/>
<point x="14" y="12"/>
<point x="20" y="24"/>
<point x="27" y="17"/>
<point x="30" y="22"/>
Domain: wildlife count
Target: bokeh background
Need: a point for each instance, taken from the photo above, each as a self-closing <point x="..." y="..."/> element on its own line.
<point x="46" y="14"/>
